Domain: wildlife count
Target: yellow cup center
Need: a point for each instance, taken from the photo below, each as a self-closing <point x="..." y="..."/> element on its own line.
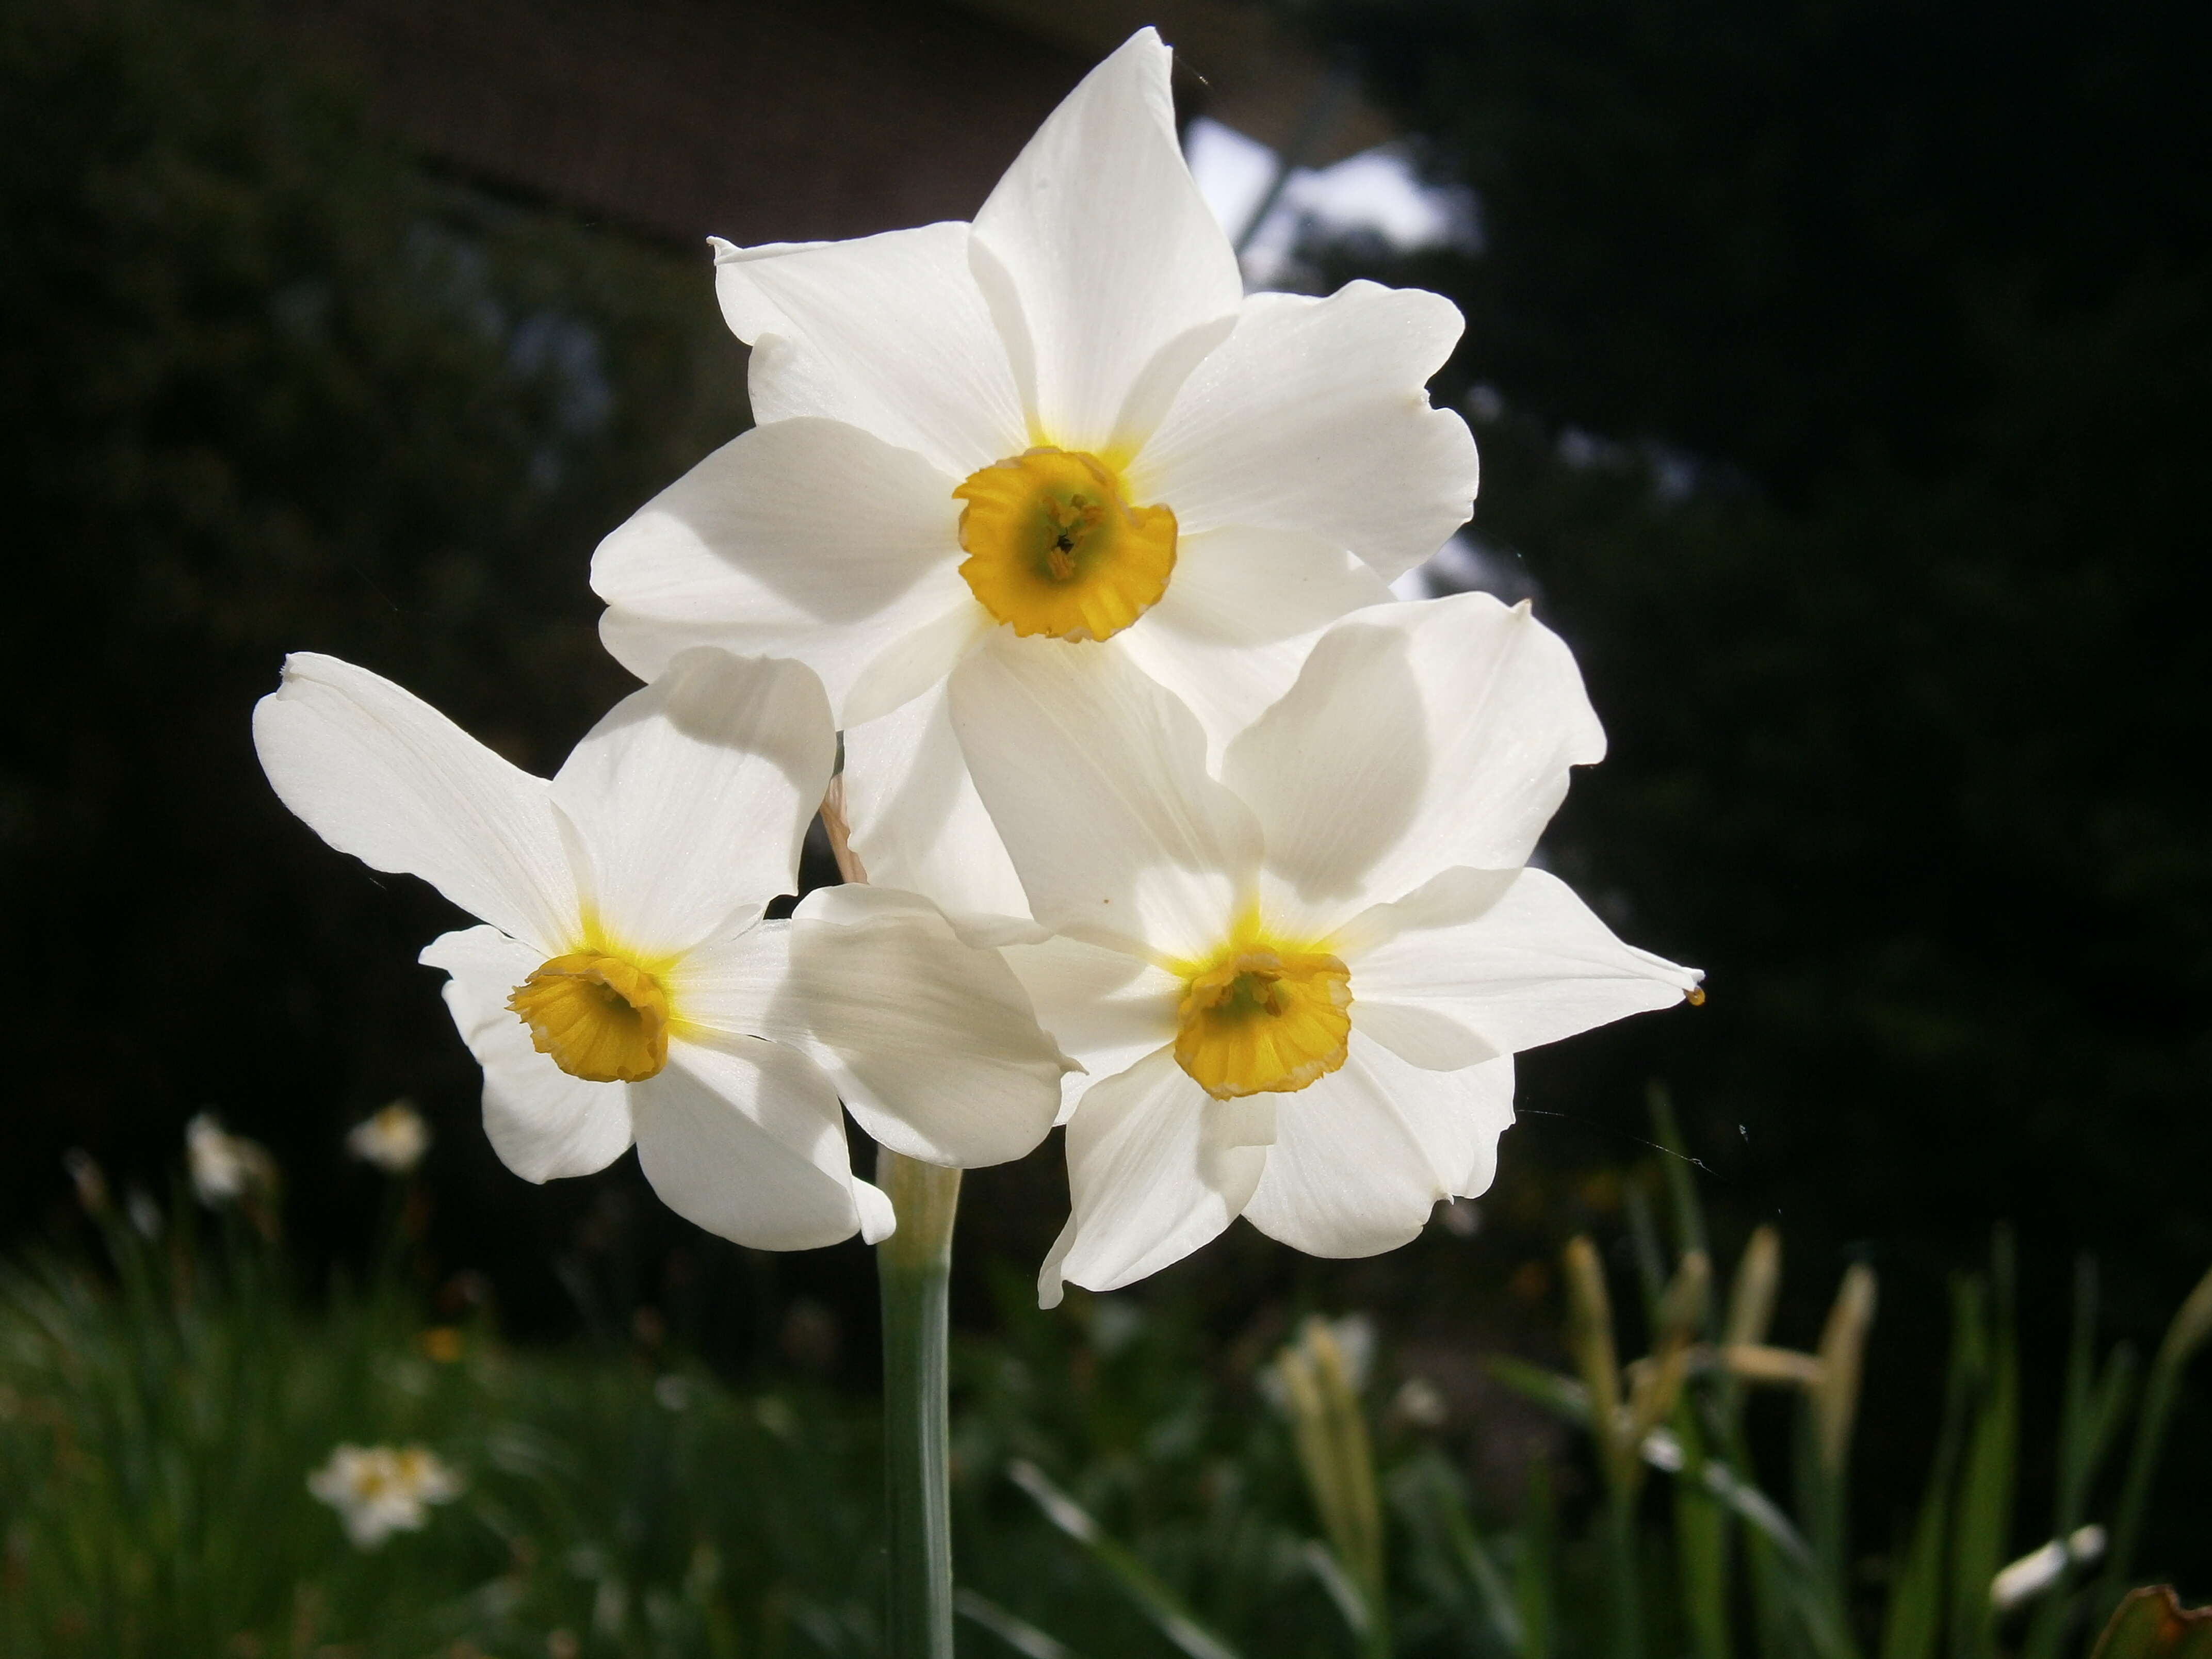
<point x="1260" y="1020"/>
<point x="601" y="1018"/>
<point x="1053" y="549"/>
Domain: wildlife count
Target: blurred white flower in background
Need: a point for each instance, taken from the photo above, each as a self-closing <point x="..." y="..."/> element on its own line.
<point x="2020" y="1582"/>
<point x="380" y="1489"/>
<point x="393" y="1138"/>
<point x="1064" y="423"/>
<point x="1421" y="1403"/>
<point x="88" y="1177"/>
<point x="145" y="1215"/>
<point x="225" y="1168"/>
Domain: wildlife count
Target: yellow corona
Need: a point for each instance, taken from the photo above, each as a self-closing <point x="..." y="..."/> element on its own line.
<point x="600" y="1017"/>
<point x="1053" y="549"/>
<point x="1261" y="1019"/>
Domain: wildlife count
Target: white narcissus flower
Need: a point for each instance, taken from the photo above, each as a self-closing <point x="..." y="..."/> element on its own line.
<point x="626" y="987"/>
<point x="225" y="1167"/>
<point x="381" y="1490"/>
<point x="1297" y="985"/>
<point x="1066" y="421"/>
<point x="393" y="1138"/>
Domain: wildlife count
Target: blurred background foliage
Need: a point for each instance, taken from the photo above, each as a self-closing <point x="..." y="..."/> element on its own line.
<point x="1840" y="372"/>
<point x="274" y="388"/>
<point x="1124" y="1482"/>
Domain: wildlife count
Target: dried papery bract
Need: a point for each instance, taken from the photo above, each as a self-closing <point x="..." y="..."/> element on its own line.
<point x="1590" y="1345"/>
<point x="1758" y="1282"/>
<point x="1338" y="1460"/>
<point x="1656" y="1380"/>
<point x="1835" y="1397"/>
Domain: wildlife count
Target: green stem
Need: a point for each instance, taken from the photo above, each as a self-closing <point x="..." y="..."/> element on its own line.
<point x="913" y="1265"/>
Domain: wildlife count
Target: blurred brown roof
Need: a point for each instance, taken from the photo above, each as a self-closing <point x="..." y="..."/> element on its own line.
<point x="764" y="121"/>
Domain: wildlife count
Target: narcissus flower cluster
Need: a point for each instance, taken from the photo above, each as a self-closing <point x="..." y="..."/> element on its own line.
<point x="1175" y="827"/>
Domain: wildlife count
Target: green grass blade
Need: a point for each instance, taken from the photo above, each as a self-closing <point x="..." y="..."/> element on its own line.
<point x="1429" y="1495"/>
<point x="1161" y="1605"/>
<point x="1562" y="1395"/>
<point x="1983" y="1527"/>
<point x="1535" y="1568"/>
<point x="2076" y="1447"/>
<point x="1798" y="1580"/>
<point x="1913" y="1627"/>
<point x="2093" y="1404"/>
<point x="2192" y="1324"/>
<point x="1344" y="1594"/>
<point x="1701" y="1546"/>
<point x="1660" y="1449"/>
<point x="1015" y="1632"/>
<point x="1650" y="1259"/>
<point x="1681" y="1183"/>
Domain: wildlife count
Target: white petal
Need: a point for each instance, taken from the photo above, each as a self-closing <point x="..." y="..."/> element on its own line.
<point x="1052" y="1284"/>
<point x="1111" y="264"/>
<point x="932" y="1043"/>
<point x="378" y="773"/>
<point x="1097" y="777"/>
<point x="1238" y="618"/>
<point x="807" y="538"/>
<point x="1152" y="1173"/>
<point x="1314" y="415"/>
<point x="748" y="313"/>
<point x="1418" y="737"/>
<point x="728" y="987"/>
<point x="891" y="334"/>
<point x="1361" y="1157"/>
<point x="692" y="796"/>
<point x="1514" y="959"/>
<point x="540" y="1121"/>
<point x="1106" y="1008"/>
<point x="1424" y="1035"/>
<point x="917" y="662"/>
<point x="917" y="822"/>
<point x="1484" y="1109"/>
<point x="744" y="1139"/>
<point x="857" y="903"/>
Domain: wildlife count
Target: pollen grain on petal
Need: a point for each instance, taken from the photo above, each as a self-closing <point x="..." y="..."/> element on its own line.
<point x="1053" y="549"/>
<point x="599" y="1017"/>
<point x="1260" y="1019"/>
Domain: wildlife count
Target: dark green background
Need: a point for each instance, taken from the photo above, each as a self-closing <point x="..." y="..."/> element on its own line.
<point x="1908" y="689"/>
